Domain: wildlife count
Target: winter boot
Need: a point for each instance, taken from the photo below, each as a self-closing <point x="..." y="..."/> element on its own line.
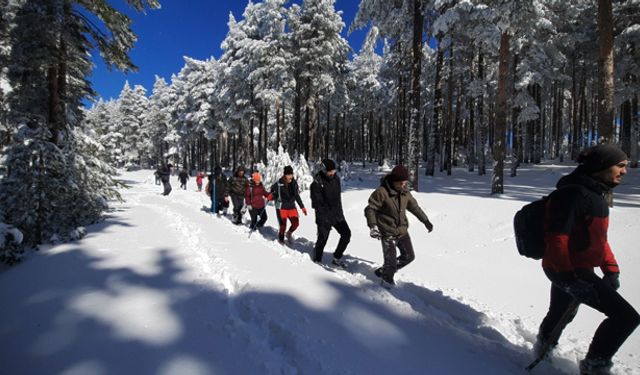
<point x="339" y="263"/>
<point x="378" y="272"/>
<point x="539" y="347"/>
<point x="387" y="283"/>
<point x="596" y="366"/>
<point x="290" y="237"/>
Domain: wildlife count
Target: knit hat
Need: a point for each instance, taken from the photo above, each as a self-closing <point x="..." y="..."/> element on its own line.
<point x="399" y="173"/>
<point x="329" y="165"/>
<point x="598" y="158"/>
<point x="288" y="170"/>
<point x="255" y="176"/>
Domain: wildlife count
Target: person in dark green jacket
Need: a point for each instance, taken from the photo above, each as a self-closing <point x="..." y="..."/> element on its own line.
<point x="387" y="219"/>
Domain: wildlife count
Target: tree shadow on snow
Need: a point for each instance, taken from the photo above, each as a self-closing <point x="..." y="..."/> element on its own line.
<point x="77" y="313"/>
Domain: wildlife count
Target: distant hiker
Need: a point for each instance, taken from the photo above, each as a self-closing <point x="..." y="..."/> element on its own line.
<point x="199" y="178"/>
<point x="285" y="194"/>
<point x="255" y="195"/>
<point x="183" y="177"/>
<point x="164" y="173"/>
<point x="387" y="220"/>
<point x="326" y="200"/>
<point x="576" y="222"/>
<point x="237" y="186"/>
<point x="217" y="189"/>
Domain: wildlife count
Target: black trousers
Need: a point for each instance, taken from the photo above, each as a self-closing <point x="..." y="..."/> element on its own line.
<point x="167" y="187"/>
<point x="238" y="203"/>
<point x="393" y="263"/>
<point x="323" y="235"/>
<point x="255" y="213"/>
<point x="621" y="319"/>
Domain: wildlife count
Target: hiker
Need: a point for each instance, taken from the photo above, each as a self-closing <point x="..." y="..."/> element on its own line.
<point x="217" y="189"/>
<point x="164" y="173"/>
<point x="183" y="177"/>
<point x="199" y="178"/>
<point x="255" y="195"/>
<point x="576" y="222"/>
<point x="237" y="186"/>
<point x="387" y="220"/>
<point x="285" y="194"/>
<point x="326" y="200"/>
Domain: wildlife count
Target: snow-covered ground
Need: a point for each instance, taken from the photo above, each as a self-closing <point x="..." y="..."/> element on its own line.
<point x="163" y="287"/>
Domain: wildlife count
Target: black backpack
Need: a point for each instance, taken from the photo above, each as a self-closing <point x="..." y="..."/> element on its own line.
<point x="528" y="225"/>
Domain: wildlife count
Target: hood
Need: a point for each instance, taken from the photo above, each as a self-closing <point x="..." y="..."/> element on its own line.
<point x="384" y="182"/>
<point x="237" y="172"/>
<point x="580" y="177"/>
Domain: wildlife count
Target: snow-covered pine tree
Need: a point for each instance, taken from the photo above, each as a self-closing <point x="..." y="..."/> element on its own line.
<point x="321" y="53"/>
<point x="46" y="189"/>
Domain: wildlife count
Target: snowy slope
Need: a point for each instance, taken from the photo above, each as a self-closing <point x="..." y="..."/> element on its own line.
<point x="163" y="287"/>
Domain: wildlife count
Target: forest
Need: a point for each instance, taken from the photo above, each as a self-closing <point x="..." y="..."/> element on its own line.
<point x="485" y="85"/>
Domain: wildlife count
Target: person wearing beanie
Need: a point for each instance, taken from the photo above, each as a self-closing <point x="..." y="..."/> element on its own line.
<point x="576" y="222"/>
<point x="326" y="200"/>
<point x="285" y="193"/>
<point x="218" y="189"/>
<point x="237" y="186"/>
<point x="255" y="196"/>
<point x="387" y="220"/>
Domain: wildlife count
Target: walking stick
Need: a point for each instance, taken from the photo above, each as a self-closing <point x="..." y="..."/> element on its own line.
<point x="555" y="333"/>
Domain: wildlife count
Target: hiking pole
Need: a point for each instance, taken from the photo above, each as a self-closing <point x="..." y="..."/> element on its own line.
<point x="256" y="224"/>
<point x="555" y="333"/>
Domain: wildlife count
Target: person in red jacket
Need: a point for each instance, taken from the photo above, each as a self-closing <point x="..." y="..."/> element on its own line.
<point x="255" y="195"/>
<point x="199" y="178"/>
<point x="576" y="223"/>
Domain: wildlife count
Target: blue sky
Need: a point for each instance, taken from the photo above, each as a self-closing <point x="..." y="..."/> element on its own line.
<point x="193" y="28"/>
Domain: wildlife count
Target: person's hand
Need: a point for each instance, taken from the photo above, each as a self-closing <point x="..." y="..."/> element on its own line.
<point x="429" y="226"/>
<point x="582" y="291"/>
<point x="375" y="233"/>
<point x="226" y="199"/>
<point x="249" y="207"/>
<point x="612" y="279"/>
<point x="304" y="211"/>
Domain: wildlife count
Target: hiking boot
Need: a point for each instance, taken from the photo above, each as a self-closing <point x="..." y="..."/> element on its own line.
<point x="290" y="237"/>
<point x="387" y="283"/>
<point x="339" y="263"/>
<point x="378" y="272"/>
<point x="596" y="366"/>
<point x="540" y="346"/>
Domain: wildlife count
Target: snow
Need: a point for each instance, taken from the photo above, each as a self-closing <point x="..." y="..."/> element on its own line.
<point x="163" y="287"/>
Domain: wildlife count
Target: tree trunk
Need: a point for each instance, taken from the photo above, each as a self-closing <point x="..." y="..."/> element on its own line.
<point x="606" y="73"/>
<point x="482" y="124"/>
<point x="437" y="103"/>
<point x="497" y="186"/>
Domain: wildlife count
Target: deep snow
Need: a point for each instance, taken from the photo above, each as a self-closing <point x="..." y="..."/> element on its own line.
<point x="163" y="287"/>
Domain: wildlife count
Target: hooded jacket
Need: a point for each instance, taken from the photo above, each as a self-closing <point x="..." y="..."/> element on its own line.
<point x="387" y="209"/>
<point x="255" y="194"/>
<point x="237" y="184"/>
<point x="219" y="183"/>
<point x="326" y="199"/>
<point x="576" y="224"/>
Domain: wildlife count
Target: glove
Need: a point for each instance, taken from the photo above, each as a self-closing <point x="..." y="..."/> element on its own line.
<point x="429" y="226"/>
<point x="612" y="279"/>
<point x="582" y="291"/>
<point x="375" y="233"/>
<point x="304" y="211"/>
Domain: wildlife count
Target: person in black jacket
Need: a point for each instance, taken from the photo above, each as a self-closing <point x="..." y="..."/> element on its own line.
<point x="285" y="193"/>
<point x="326" y="200"/>
<point x="183" y="177"/>
<point x="217" y="188"/>
<point x="164" y="173"/>
<point x="576" y="222"/>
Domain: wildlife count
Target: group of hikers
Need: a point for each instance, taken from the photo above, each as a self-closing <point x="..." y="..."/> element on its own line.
<point x="576" y="224"/>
